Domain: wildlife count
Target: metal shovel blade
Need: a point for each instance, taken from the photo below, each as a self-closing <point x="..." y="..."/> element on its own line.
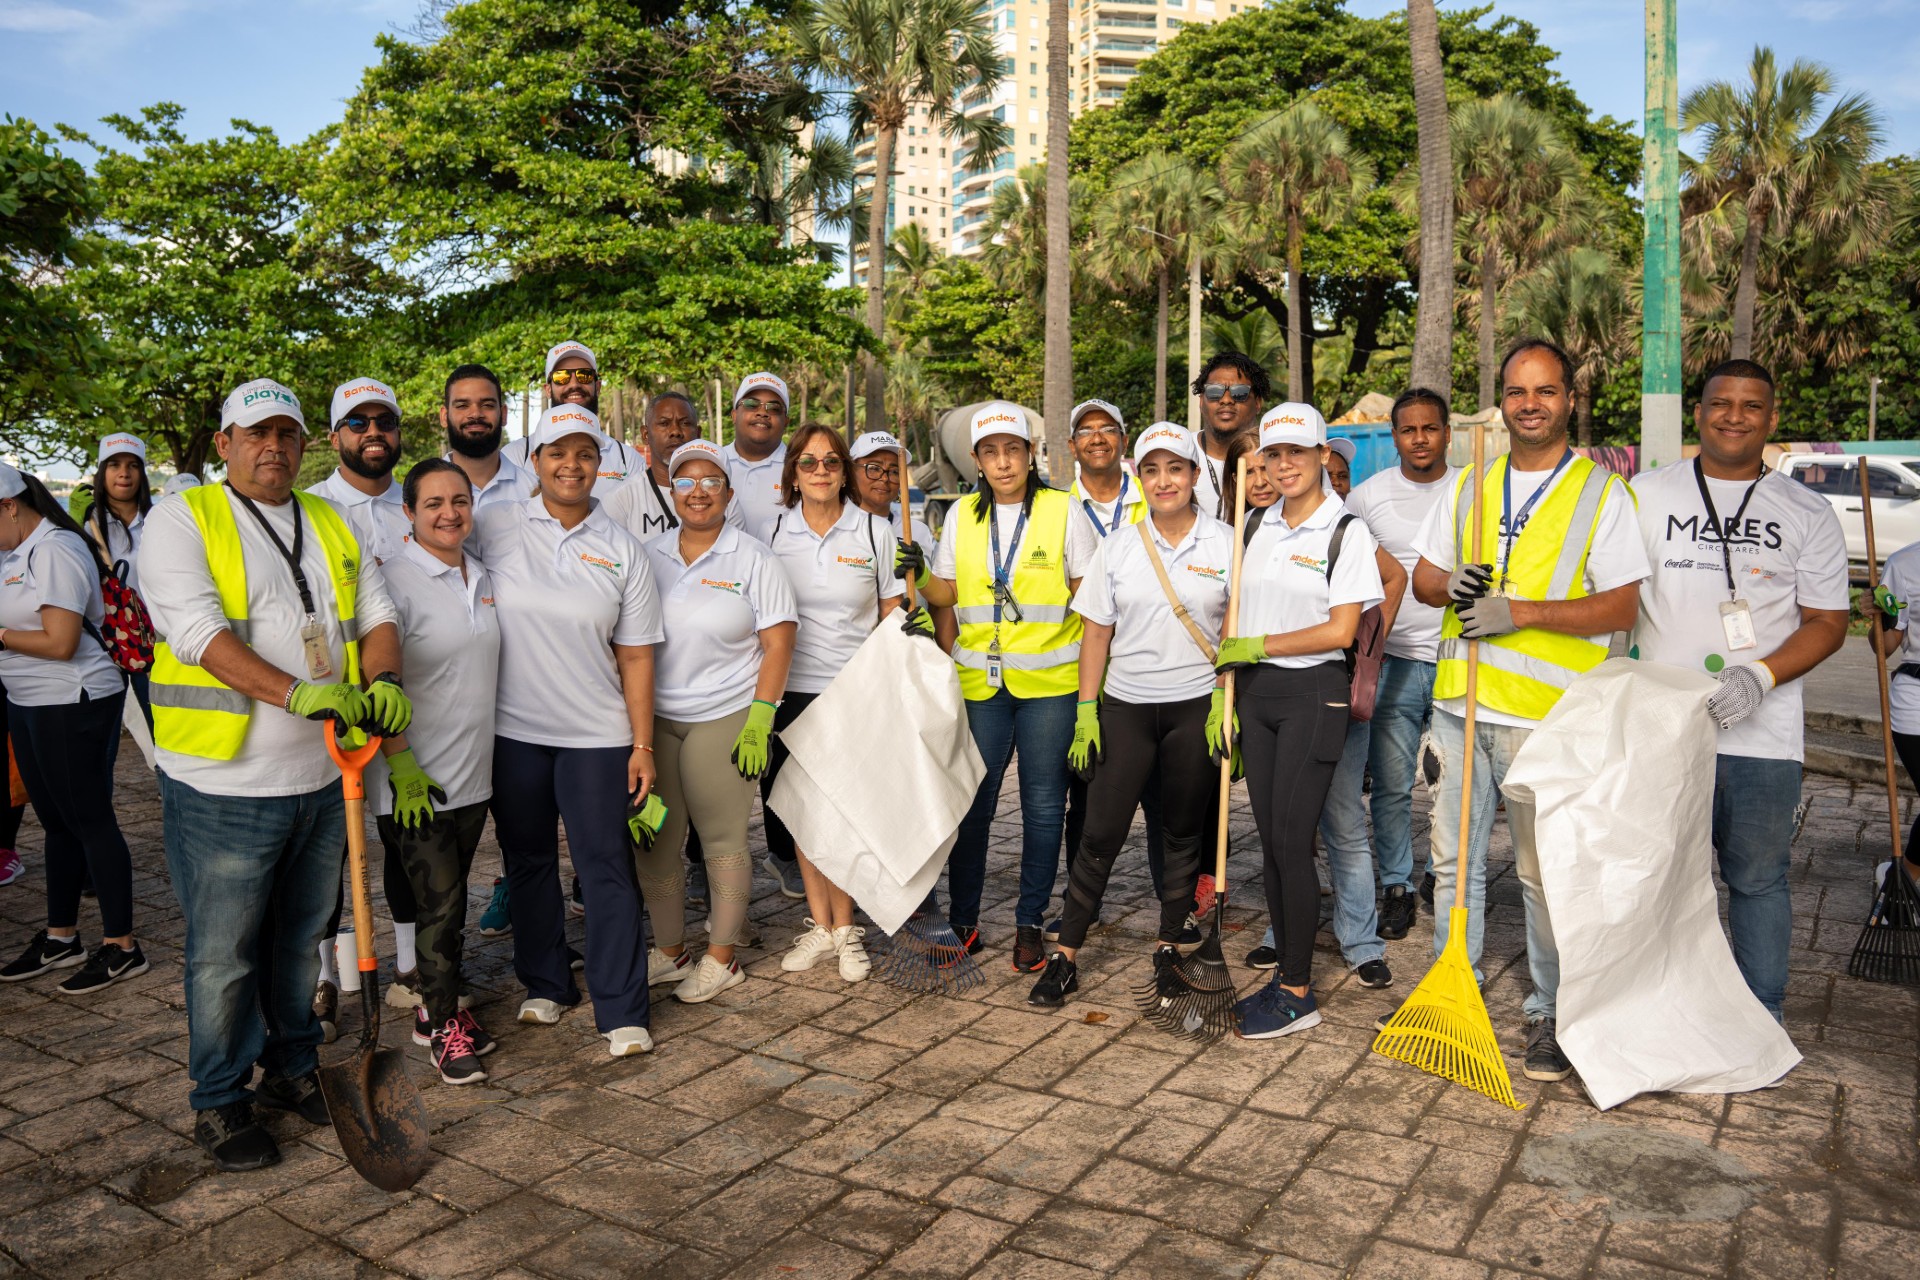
<point x="379" y="1117"/>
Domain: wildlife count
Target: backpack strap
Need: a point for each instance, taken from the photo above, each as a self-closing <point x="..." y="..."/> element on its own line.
<point x="1253" y="522"/>
<point x="1173" y="598"/>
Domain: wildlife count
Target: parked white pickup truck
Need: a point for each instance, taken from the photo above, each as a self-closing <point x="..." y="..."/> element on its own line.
<point x="1892" y="479"/>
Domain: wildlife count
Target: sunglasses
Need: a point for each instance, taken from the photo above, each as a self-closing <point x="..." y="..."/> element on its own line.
<point x="562" y="377"/>
<point x="359" y="423"/>
<point x="1215" y="393"/>
<point x="880" y="471"/>
<point x="808" y="463"/>
<point x="1081" y="433"/>
<point x="753" y="404"/>
<point x="683" y="485"/>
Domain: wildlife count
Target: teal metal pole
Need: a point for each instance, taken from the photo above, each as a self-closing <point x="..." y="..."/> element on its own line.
<point x="1660" y="378"/>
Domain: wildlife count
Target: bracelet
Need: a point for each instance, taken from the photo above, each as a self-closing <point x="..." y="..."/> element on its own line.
<point x="641" y="746"/>
<point x="286" y="703"/>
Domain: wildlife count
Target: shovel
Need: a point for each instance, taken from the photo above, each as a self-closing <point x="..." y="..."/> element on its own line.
<point x="375" y="1108"/>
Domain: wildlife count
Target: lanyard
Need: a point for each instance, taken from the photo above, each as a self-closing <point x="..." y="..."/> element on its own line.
<point x="666" y="507"/>
<point x="291" y="557"/>
<point x="1119" y="509"/>
<point x="1510" y="522"/>
<point x="1003" y="568"/>
<point x="1713" y="517"/>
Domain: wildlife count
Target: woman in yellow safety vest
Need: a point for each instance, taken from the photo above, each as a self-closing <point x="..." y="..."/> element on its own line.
<point x="1008" y="566"/>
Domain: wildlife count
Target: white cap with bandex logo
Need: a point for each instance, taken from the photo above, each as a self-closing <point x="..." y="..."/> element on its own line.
<point x="696" y="451"/>
<point x="561" y="421"/>
<point x="565" y="349"/>
<point x="120" y="442"/>
<point x="252" y="403"/>
<point x="359" y="394"/>
<point x="1173" y="438"/>
<point x="762" y="382"/>
<point x="875" y="441"/>
<point x="998" y="418"/>
<point x="1292" y="423"/>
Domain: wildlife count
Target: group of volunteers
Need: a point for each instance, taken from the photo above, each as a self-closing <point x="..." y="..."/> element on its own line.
<point x="569" y="632"/>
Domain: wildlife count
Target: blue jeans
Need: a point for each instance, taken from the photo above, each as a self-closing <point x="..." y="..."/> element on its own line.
<point x="1403" y="704"/>
<point x="1041" y="730"/>
<point x="1495" y="746"/>
<point x="256" y="877"/>
<point x="1343" y="834"/>
<point x="1753" y="805"/>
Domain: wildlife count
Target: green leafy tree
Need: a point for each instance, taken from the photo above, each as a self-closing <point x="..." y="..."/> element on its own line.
<point x="978" y="340"/>
<point x="1580" y="299"/>
<point x="49" y="352"/>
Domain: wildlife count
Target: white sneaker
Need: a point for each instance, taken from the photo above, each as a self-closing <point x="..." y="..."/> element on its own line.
<point x="625" y="1041"/>
<point x="662" y="967"/>
<point x="545" y="1012"/>
<point x="810" y="948"/>
<point x="708" y="979"/>
<point x="854" y="965"/>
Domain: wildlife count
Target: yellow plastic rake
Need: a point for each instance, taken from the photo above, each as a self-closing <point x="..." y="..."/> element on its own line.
<point x="1443" y="1027"/>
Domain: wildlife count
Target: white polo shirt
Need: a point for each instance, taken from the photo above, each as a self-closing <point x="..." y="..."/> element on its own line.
<point x="838" y="582"/>
<point x="123" y="543"/>
<point x="1153" y="657"/>
<point x="564" y="598"/>
<point x="1395" y="508"/>
<point x="756" y="488"/>
<point x="1285" y="583"/>
<point x="1788" y="554"/>
<point x="715" y="609"/>
<point x="53" y="567"/>
<point x="378" y="520"/>
<point x="450" y="645"/>
<point x="1901" y="575"/>
<point x="1101" y="514"/>
<point x="619" y="463"/>
<point x="644" y="508"/>
<point x="512" y="482"/>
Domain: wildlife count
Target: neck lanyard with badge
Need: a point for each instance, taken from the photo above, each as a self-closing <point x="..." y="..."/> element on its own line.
<point x="1511" y="521"/>
<point x="1002" y="590"/>
<point x="1119" y="508"/>
<point x="1736" y="615"/>
<point x="313" y="635"/>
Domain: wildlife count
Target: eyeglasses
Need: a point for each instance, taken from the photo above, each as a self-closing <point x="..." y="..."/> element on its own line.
<point x="880" y="471"/>
<point x="1081" y="433"/>
<point x="1215" y="393"/>
<point x="561" y="377"/>
<point x="359" y="423"/>
<point x="753" y="404"/>
<point x="808" y="463"/>
<point x="683" y="485"/>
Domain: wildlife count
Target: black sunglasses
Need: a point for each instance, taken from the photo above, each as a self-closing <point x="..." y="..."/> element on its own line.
<point x="1240" y="392"/>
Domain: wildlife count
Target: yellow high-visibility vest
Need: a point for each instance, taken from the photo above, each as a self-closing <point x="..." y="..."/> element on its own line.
<point x="1524" y="672"/>
<point x="1040" y="654"/>
<point x="193" y="713"/>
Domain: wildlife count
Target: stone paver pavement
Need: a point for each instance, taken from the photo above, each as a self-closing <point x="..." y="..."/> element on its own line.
<point x="798" y="1126"/>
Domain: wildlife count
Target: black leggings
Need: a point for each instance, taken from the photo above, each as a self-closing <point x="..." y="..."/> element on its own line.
<point x="779" y="839"/>
<point x="1142" y="740"/>
<point x="66" y="756"/>
<point x="1293" y="727"/>
<point x="1908" y="745"/>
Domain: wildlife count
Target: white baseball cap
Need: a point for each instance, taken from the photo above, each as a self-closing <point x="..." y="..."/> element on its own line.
<point x="998" y="418"/>
<point x="180" y="483"/>
<point x="12" y="483"/>
<point x="762" y="382"/>
<point x="120" y="442"/>
<point x="1292" y="423"/>
<point x="1172" y="437"/>
<point x="1344" y="446"/>
<point x="360" y="393"/>
<point x="874" y="441"/>
<point x="1081" y="410"/>
<point x="254" y="402"/>
<point x="561" y="421"/>
<point x="560" y="352"/>
<point x="693" y="451"/>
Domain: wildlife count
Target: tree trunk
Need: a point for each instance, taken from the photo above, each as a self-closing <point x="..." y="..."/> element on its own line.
<point x="1433" y="321"/>
<point x="876" y="276"/>
<point x="1056" y="396"/>
<point x="1296" y="314"/>
<point x="1193" y="339"/>
<point x="1366" y="328"/>
<point x="1160" y="348"/>
<point x="1489" y="292"/>
<point x="1583" y="406"/>
<point x="1746" y="294"/>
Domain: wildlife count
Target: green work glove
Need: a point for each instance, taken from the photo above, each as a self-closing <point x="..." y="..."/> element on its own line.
<point x="343" y="704"/>
<point x="908" y="558"/>
<point x="750" y="748"/>
<point x="1239" y="769"/>
<point x="1216" y="721"/>
<point x="414" y="793"/>
<point x="1086" y="751"/>
<point x="391" y="707"/>
<point x="1890" y="605"/>
<point x="1241" y="651"/>
<point x="644" y="823"/>
<point x="918" y="622"/>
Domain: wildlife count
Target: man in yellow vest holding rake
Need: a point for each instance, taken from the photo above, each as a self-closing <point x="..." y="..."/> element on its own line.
<point x="1567" y="563"/>
<point x="269" y="616"/>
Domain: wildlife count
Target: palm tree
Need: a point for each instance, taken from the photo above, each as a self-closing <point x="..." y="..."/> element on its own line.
<point x="887" y="57"/>
<point x="1766" y="158"/>
<point x="914" y="266"/>
<point x="1056" y="399"/>
<point x="1580" y="298"/>
<point x="1294" y="166"/>
<point x="1254" y="335"/>
<point x="1433" y="322"/>
<point x="1014" y="232"/>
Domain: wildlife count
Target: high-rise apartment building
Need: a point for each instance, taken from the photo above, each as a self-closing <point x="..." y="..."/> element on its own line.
<point x="936" y="185"/>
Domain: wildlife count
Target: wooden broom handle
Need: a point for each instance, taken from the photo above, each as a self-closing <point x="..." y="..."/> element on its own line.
<point x="1226" y="723"/>
<point x="906" y="517"/>
<point x="1880" y="666"/>
<point x="1473" y="673"/>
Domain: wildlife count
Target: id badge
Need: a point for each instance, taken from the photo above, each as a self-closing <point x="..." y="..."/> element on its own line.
<point x="1736" y="619"/>
<point x="993" y="671"/>
<point x="313" y="643"/>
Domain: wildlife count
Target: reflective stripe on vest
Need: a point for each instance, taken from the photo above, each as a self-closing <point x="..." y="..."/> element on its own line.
<point x="1524" y="673"/>
<point x="193" y="713"/>
<point x="1040" y="654"/>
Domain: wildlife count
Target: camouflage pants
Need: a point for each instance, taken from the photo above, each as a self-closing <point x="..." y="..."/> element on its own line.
<point x="437" y="858"/>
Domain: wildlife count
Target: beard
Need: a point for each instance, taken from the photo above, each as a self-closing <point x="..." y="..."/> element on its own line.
<point x="371" y="470"/>
<point x="468" y="446"/>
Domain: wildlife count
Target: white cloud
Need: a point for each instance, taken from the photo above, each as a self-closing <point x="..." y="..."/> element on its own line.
<point x="37" y="18"/>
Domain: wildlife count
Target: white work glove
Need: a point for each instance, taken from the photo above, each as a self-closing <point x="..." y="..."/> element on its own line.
<point x="1741" y="689"/>
<point x="1485" y="618"/>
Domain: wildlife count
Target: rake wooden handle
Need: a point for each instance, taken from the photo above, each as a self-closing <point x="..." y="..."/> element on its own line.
<point x="1473" y="675"/>
<point x="1226" y="703"/>
<point x="1880" y="666"/>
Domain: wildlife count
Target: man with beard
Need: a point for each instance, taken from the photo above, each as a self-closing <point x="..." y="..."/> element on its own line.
<point x="645" y="507"/>
<point x="758" y="454"/>
<point x="473" y="413"/>
<point x="1235" y="391"/>
<point x="366" y="435"/>
<point x="573" y="377"/>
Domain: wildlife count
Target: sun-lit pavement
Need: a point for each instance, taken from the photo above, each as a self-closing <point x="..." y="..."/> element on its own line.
<point x="798" y="1126"/>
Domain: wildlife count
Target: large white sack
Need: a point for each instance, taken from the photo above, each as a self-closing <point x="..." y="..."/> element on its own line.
<point x="883" y="767"/>
<point x="135" y="721"/>
<point x="1621" y="772"/>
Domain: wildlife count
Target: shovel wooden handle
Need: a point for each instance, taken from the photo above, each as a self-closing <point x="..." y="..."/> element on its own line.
<point x="353" y="782"/>
<point x="1880" y="665"/>
<point x="1473" y="675"/>
<point x="1226" y="722"/>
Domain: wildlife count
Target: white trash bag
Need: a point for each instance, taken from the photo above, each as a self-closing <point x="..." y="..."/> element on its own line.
<point x="1621" y="773"/>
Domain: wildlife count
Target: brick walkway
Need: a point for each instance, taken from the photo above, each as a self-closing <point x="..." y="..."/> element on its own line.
<point x="796" y="1126"/>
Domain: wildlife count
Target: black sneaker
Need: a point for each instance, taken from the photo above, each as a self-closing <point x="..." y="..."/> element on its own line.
<point x="454" y="1055"/>
<point x="105" y="967"/>
<point x="1544" y="1060"/>
<point x="1374" y="973"/>
<point x="483" y="1044"/>
<point x="44" y="955"/>
<point x="1397" y="911"/>
<point x="1029" y="949"/>
<point x="1189" y="933"/>
<point x="971" y="939"/>
<point x="576" y="905"/>
<point x="234" y="1139"/>
<point x="1263" y="958"/>
<point x="1426" y="890"/>
<point x="298" y="1094"/>
<point x="1060" y="979"/>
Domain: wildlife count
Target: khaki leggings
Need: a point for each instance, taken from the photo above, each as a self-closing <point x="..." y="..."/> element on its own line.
<point x="699" y="783"/>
